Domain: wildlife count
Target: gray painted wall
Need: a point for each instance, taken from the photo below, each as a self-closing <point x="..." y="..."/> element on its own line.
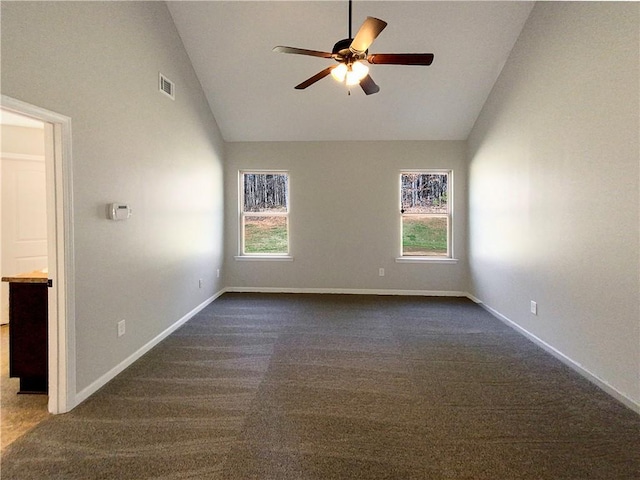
<point x="553" y="199"/>
<point x="344" y="220"/>
<point x="98" y="63"/>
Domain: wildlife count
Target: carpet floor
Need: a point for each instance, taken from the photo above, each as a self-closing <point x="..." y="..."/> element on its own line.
<point x="338" y="387"/>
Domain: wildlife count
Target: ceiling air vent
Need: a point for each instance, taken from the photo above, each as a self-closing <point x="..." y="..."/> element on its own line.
<point x="167" y="87"/>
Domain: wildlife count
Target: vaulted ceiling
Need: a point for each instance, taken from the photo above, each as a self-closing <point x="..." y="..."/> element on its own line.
<point x="250" y="88"/>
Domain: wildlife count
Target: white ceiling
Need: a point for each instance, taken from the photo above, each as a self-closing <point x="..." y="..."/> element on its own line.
<point x="250" y="88"/>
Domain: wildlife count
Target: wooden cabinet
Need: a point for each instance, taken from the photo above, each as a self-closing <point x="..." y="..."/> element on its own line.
<point x="28" y="331"/>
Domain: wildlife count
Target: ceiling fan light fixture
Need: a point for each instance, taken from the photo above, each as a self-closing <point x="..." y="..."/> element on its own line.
<point x="356" y="72"/>
<point x="339" y="72"/>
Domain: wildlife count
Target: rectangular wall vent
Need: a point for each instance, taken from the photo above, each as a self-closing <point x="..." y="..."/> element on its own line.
<point x="167" y="87"/>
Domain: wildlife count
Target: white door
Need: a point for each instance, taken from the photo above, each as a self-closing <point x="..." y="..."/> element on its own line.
<point x="24" y="219"/>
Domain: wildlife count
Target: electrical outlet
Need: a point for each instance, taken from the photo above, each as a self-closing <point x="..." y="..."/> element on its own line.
<point x="218" y="273"/>
<point x="534" y="308"/>
<point x="200" y="283"/>
<point x="121" y="328"/>
<point x="381" y="272"/>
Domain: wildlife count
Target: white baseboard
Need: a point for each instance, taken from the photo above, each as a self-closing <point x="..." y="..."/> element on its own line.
<point x="474" y="299"/>
<point x="111" y="374"/>
<point x="348" y="291"/>
<point x="597" y="381"/>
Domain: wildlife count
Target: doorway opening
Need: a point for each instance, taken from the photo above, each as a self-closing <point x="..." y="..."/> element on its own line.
<point x="52" y="197"/>
<point x="23" y="249"/>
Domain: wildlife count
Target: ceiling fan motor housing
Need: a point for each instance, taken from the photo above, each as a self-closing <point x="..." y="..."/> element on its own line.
<point x="342" y="52"/>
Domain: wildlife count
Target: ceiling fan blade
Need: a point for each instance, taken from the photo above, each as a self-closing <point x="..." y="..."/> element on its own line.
<point x="318" y="76"/>
<point x="401" y="58"/>
<point x="368" y="32"/>
<point x="302" y="51"/>
<point x="369" y="86"/>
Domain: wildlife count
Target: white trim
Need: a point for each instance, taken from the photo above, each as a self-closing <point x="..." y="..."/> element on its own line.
<point x="474" y="299"/>
<point x="347" y="291"/>
<point x="111" y="374"/>
<point x="250" y="257"/>
<point x="577" y="367"/>
<point x="426" y="260"/>
<point x="65" y="264"/>
<point x="61" y="298"/>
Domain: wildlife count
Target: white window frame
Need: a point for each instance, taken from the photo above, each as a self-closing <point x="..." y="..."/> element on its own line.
<point x="242" y="255"/>
<point x="449" y="257"/>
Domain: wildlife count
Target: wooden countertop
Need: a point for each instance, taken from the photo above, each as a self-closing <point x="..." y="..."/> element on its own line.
<point x="37" y="276"/>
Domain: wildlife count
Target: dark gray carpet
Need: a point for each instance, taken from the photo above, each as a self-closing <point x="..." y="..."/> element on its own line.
<point x="339" y="387"/>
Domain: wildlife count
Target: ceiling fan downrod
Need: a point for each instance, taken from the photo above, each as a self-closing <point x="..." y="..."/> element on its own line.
<point x="350" y="2"/>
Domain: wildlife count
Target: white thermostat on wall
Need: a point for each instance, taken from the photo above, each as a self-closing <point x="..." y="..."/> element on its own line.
<point x="119" y="211"/>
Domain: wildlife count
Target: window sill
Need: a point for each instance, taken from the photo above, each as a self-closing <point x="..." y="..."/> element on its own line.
<point x="426" y="260"/>
<point x="264" y="258"/>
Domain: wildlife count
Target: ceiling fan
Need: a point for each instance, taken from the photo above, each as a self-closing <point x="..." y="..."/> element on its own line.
<point x="350" y="54"/>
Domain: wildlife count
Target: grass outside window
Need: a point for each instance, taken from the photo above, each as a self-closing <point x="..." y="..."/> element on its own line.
<point x="266" y="235"/>
<point x="424" y="236"/>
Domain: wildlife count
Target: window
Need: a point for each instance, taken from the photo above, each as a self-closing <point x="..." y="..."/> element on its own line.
<point x="264" y="212"/>
<point x="425" y="208"/>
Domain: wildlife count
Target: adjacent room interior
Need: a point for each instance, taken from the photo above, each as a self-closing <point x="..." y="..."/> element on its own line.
<point x="529" y="113"/>
<point x="23" y="249"/>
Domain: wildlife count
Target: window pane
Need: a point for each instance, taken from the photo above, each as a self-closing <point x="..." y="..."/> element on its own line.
<point x="424" y="235"/>
<point x="265" y="234"/>
<point x="265" y="192"/>
<point x="424" y="193"/>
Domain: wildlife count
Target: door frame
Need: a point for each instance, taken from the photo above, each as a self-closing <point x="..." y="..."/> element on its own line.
<point x="60" y="249"/>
